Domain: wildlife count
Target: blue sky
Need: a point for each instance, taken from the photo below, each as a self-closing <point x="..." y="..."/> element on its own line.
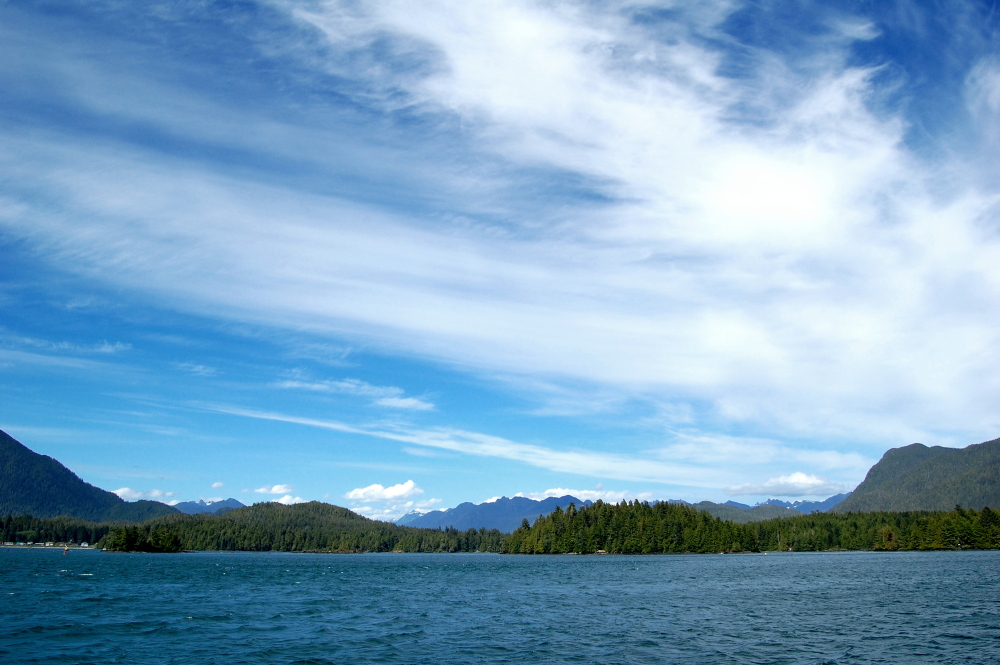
<point x="402" y="255"/>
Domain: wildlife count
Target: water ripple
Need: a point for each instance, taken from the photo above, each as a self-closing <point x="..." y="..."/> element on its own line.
<point x="808" y="609"/>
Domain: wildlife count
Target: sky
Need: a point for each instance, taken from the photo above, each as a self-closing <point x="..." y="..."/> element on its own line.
<point x="396" y="256"/>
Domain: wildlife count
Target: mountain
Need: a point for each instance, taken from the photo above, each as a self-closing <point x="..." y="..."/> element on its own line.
<point x="743" y="515"/>
<point x="808" y="507"/>
<point x="917" y="477"/>
<point x="503" y="514"/>
<point x="37" y="485"/>
<point x="202" y="506"/>
<point x="735" y="504"/>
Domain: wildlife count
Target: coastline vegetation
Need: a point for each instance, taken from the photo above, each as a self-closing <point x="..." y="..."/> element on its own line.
<point x="623" y="528"/>
<point x="643" y="528"/>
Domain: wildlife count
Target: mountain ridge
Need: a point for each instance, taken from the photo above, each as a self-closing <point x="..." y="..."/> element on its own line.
<point x="38" y="485"/>
<point x="201" y="506"/>
<point x="919" y="477"/>
<point x="806" y="507"/>
<point x="504" y="514"/>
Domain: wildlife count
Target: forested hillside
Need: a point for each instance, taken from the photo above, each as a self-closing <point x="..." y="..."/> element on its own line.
<point x="744" y="515"/>
<point x="315" y="526"/>
<point x="642" y="528"/>
<point x="37" y="485"/>
<point x="917" y="477"/>
<point x="625" y="528"/>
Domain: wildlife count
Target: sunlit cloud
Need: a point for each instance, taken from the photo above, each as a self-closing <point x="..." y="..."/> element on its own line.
<point x="387" y="396"/>
<point x="581" y="462"/>
<point x="600" y="209"/>
<point x="796" y="484"/>
<point x="787" y="268"/>
<point x="411" y="403"/>
<point x="598" y="493"/>
<point x="377" y="492"/>
<point x="130" y="494"/>
<point x="390" y="502"/>
<point x="274" y="489"/>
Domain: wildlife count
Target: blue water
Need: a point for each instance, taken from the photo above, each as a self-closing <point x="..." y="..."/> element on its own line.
<point x="92" y="607"/>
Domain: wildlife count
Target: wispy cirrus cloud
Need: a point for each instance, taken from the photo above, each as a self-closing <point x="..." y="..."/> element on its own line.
<point x="582" y="462"/>
<point x="102" y="348"/>
<point x="198" y="369"/>
<point x="747" y="230"/>
<point x="739" y="218"/>
<point x="386" y="396"/>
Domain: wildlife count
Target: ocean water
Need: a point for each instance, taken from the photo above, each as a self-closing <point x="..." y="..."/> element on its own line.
<point x="230" y="608"/>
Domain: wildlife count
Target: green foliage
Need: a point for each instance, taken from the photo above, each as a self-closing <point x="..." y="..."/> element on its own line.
<point x="148" y="538"/>
<point x="917" y="477"/>
<point x="318" y="527"/>
<point x="743" y="515"/>
<point x="641" y="528"/>
<point x="23" y="528"/>
<point x="625" y="528"/>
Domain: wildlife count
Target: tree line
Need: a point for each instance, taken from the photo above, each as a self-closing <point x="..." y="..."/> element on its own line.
<point x="313" y="527"/>
<point x="624" y="528"/>
<point x="25" y="528"/>
<point x="643" y="528"/>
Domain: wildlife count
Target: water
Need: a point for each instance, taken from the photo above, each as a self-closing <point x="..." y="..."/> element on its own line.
<point x="90" y="607"/>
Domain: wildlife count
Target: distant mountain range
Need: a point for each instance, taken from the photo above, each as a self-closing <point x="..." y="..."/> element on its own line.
<point x="503" y="514"/>
<point x="37" y="485"/>
<point x="202" y="506"/>
<point x="810" y="506"/>
<point x="911" y="478"/>
<point x="506" y="514"/>
<point x="916" y="477"/>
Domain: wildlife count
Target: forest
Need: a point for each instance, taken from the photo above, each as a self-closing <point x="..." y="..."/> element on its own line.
<point x="643" y="528"/>
<point x="623" y="528"/>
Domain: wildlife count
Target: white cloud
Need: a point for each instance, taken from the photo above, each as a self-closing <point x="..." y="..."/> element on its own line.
<point x="584" y="462"/>
<point x="387" y="396"/>
<point x="411" y="403"/>
<point x="378" y="493"/>
<point x="216" y="485"/>
<point x="392" y="510"/>
<point x="425" y="452"/>
<point x="116" y="347"/>
<point x="274" y="489"/>
<point x="197" y="370"/>
<point x="131" y="495"/>
<point x="608" y="496"/>
<point x="799" y="272"/>
<point x="289" y="500"/>
<point x="128" y="493"/>
<point x="796" y="484"/>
